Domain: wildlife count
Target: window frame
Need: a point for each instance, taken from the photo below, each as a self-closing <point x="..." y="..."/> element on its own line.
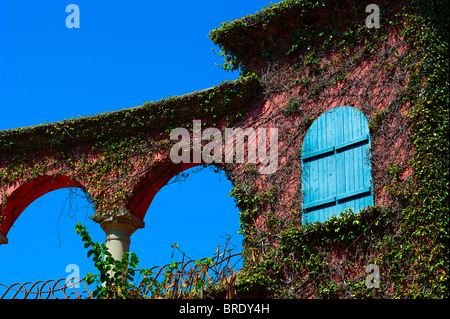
<point x="323" y="208"/>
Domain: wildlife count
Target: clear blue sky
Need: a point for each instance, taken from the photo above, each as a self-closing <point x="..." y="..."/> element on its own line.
<point x="123" y="54"/>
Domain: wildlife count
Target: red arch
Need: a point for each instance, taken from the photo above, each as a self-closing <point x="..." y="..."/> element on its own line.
<point x="146" y="189"/>
<point x="28" y="192"/>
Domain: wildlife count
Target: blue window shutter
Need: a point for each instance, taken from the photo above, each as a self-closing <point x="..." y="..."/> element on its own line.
<point x="335" y="164"/>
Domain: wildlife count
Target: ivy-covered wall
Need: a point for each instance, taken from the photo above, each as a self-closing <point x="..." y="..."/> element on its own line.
<point x="298" y="59"/>
<point x="120" y="159"/>
<point x="312" y="56"/>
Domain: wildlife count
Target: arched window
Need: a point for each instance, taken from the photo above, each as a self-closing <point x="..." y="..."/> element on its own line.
<point x="336" y="165"/>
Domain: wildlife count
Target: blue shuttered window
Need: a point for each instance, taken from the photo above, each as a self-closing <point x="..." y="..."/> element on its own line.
<point x="335" y="164"/>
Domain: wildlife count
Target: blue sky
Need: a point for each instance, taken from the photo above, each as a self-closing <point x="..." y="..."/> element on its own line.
<point x="124" y="54"/>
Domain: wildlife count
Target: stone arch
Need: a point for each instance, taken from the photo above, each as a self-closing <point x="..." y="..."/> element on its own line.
<point x="148" y="186"/>
<point x="19" y="197"/>
<point x="175" y="216"/>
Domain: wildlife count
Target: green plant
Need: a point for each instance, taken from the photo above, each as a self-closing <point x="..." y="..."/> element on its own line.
<point x="407" y="237"/>
<point x="402" y="66"/>
<point x="116" y="276"/>
<point x="206" y="278"/>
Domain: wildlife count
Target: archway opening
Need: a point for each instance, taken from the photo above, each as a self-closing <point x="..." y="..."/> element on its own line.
<point x="193" y="211"/>
<point x="42" y="242"/>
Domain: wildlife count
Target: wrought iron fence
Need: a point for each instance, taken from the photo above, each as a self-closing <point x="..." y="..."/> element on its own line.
<point x="185" y="278"/>
<point x="50" y="289"/>
<point x="179" y="279"/>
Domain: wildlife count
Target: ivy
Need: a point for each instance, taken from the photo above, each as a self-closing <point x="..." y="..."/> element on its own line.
<point x="109" y="153"/>
<point x="406" y="235"/>
<point x="408" y="239"/>
<point x="115" y="277"/>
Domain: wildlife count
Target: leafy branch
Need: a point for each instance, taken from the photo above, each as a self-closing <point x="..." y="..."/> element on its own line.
<point x="116" y="276"/>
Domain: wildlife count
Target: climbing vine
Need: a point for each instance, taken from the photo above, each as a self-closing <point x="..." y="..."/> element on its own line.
<point x="119" y="279"/>
<point x="402" y="67"/>
<point x="108" y="154"/>
<point x="298" y="59"/>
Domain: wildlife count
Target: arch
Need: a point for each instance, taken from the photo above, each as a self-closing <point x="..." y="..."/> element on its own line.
<point x="22" y="196"/>
<point x="335" y="166"/>
<point x="196" y="213"/>
<point x="146" y="189"/>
